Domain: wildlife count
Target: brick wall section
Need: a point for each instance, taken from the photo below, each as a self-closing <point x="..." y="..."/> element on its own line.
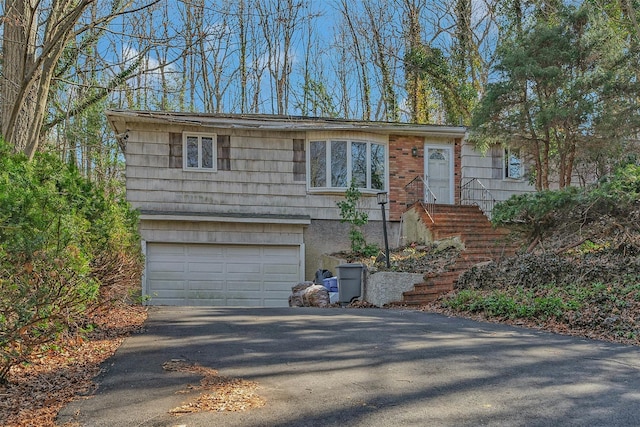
<point x="404" y="167"/>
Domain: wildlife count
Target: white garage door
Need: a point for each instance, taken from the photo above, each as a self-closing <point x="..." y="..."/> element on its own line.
<point x="221" y="275"/>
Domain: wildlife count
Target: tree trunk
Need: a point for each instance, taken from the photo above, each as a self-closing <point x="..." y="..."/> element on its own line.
<point x="25" y="87"/>
<point x="538" y="165"/>
<point x="18" y="53"/>
<point x="360" y="60"/>
<point x="571" y="158"/>
<point x="417" y="90"/>
<point x="242" y="36"/>
<point x="544" y="175"/>
<point x="377" y="19"/>
<point x="562" y="164"/>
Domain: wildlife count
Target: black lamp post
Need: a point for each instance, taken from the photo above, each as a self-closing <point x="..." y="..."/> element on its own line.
<point x="383" y="200"/>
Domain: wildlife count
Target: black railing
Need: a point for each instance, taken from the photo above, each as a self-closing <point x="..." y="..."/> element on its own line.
<point x="418" y="191"/>
<point x="473" y="192"/>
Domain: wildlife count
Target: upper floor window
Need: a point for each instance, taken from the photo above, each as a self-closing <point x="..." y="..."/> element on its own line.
<point x="513" y="165"/>
<point x="335" y="163"/>
<point x="199" y="151"/>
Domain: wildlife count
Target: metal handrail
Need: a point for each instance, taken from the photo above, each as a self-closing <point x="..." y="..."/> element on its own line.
<point x="418" y="191"/>
<point x="473" y="192"/>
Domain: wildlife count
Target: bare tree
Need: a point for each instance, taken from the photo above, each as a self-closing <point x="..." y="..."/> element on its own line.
<point x="260" y="56"/>
<point x="252" y="53"/>
<point x="242" y="59"/>
<point x="218" y="45"/>
<point x="384" y="51"/>
<point x="281" y="21"/>
<point x="343" y="71"/>
<point x="34" y="38"/>
<point x="315" y="96"/>
<point x="358" y="53"/>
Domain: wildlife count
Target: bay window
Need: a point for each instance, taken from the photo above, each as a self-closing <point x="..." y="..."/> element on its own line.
<point x="334" y="164"/>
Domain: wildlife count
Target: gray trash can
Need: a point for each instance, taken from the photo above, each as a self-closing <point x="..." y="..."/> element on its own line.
<point x="349" y="282"/>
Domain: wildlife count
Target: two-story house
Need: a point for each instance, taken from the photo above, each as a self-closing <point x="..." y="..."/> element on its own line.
<point x="235" y="209"/>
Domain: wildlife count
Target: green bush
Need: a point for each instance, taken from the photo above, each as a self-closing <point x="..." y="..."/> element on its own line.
<point x="534" y="209"/>
<point x="584" y="276"/>
<point x="618" y="192"/>
<point x="538" y="215"/>
<point x="41" y="297"/>
<point x="63" y="242"/>
<point x="514" y="302"/>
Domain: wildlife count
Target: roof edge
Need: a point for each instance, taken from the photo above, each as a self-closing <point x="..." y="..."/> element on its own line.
<point x="120" y="118"/>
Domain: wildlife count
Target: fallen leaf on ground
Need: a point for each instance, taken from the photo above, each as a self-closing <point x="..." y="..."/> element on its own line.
<point x="217" y="393"/>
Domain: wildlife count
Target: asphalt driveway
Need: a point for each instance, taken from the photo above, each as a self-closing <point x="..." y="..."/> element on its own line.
<point x="365" y="367"/>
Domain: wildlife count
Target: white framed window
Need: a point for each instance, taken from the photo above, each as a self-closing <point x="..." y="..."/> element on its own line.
<point x="199" y="151"/>
<point x="513" y="164"/>
<point x="334" y="163"/>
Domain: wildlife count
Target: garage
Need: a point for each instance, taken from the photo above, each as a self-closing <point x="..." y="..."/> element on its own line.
<point x="221" y="275"/>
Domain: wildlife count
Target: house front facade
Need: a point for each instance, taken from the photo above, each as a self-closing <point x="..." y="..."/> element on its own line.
<point x="235" y="209"/>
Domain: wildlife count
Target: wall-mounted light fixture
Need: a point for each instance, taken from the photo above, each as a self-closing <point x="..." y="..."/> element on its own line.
<point x="414" y="151"/>
<point x="383" y="199"/>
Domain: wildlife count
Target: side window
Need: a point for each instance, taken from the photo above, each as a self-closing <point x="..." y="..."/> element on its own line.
<point x="199" y="151"/>
<point x="513" y="165"/>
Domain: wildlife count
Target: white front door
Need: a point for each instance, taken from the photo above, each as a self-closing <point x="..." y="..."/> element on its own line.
<point x="438" y="170"/>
